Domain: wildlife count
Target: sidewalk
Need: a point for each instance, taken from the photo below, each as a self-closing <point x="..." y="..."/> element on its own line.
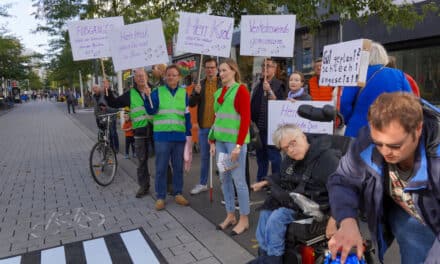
<point x="44" y="172"/>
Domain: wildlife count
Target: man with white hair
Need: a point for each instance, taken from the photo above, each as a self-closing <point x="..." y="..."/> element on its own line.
<point x="135" y="98"/>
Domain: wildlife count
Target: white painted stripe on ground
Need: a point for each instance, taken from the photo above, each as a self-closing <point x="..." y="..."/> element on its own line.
<point x="138" y="248"/>
<point x="14" y="260"/>
<point x="96" y="252"/>
<point x="53" y="256"/>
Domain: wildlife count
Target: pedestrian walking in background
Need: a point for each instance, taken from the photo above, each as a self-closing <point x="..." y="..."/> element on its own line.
<point x="135" y="99"/>
<point x="70" y="100"/>
<point x="203" y="97"/>
<point x="127" y="127"/>
<point x="230" y="135"/>
<point x="171" y="130"/>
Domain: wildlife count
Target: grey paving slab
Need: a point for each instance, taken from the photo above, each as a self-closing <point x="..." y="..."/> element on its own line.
<point x="48" y="197"/>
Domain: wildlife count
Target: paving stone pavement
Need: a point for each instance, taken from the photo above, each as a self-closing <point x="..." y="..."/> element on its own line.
<point x="48" y="197"/>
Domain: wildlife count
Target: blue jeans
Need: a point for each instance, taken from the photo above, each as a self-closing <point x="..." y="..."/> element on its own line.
<point x="271" y="230"/>
<point x="164" y="152"/>
<point x="235" y="177"/>
<point x="414" y="239"/>
<point x="204" y="155"/>
<point x="264" y="155"/>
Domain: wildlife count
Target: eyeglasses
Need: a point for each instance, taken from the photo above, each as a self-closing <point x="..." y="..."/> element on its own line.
<point x="268" y="66"/>
<point x="291" y="145"/>
<point x="210" y="68"/>
<point x="392" y="146"/>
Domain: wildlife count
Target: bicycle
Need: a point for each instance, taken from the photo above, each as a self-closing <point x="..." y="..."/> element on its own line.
<point x="103" y="162"/>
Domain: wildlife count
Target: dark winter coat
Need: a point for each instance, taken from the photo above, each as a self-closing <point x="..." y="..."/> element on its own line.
<point x="324" y="161"/>
<point x="359" y="182"/>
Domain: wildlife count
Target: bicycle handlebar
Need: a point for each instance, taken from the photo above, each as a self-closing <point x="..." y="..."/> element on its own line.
<point x="107" y="115"/>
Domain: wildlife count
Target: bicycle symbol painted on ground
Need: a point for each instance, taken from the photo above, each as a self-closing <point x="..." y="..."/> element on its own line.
<point x="58" y="221"/>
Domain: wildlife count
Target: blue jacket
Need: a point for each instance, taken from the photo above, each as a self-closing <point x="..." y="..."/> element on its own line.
<point x="358" y="183"/>
<point x="355" y="107"/>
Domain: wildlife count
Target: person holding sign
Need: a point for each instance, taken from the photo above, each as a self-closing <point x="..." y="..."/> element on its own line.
<point x="269" y="88"/>
<point x="229" y="135"/>
<point x="296" y="88"/>
<point x="392" y="173"/>
<point x="135" y="98"/>
<point x="203" y="97"/>
<point x="171" y="130"/>
<point x="317" y="92"/>
<point x="355" y="101"/>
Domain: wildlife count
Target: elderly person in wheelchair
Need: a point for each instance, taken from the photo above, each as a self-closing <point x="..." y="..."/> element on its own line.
<point x="307" y="163"/>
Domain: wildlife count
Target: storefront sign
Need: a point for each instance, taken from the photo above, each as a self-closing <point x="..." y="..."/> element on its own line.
<point x="204" y="34"/>
<point x="345" y="64"/>
<point x="138" y="45"/>
<point x="89" y="39"/>
<point x="271" y="35"/>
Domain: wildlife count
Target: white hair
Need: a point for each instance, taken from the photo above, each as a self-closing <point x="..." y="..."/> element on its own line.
<point x="283" y="130"/>
<point x="378" y="54"/>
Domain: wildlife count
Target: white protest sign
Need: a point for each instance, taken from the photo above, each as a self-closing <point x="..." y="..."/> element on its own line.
<point x="267" y="35"/>
<point x="204" y="34"/>
<point x="88" y="38"/>
<point x="138" y="45"/>
<point x="345" y="64"/>
<point x="286" y="112"/>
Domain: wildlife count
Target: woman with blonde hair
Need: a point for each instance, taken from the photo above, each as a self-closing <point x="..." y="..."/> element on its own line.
<point x="230" y="135"/>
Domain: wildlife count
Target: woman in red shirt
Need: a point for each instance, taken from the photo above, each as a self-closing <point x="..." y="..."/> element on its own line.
<point x="231" y="135"/>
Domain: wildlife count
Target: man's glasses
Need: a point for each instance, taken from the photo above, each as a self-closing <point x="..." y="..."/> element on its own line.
<point x="392" y="146"/>
<point x="210" y="68"/>
<point x="268" y="66"/>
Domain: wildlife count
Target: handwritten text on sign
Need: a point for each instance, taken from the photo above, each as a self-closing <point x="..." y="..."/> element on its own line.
<point x="88" y="38"/>
<point x="286" y="112"/>
<point x="138" y="45"/>
<point x="344" y="64"/>
<point x="204" y="34"/>
<point x="271" y="35"/>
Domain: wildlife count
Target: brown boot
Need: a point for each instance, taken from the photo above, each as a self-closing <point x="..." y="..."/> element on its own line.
<point x="181" y="200"/>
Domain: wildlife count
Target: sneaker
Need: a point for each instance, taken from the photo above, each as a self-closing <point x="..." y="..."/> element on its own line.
<point x="199" y="188"/>
<point x="160" y="204"/>
<point x="142" y="191"/>
<point x="181" y="200"/>
<point x="126" y="156"/>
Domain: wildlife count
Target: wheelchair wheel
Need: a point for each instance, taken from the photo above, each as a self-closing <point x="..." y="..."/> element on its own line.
<point x="103" y="163"/>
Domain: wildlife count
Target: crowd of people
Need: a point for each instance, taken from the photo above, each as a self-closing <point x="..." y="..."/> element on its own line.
<point x="390" y="173"/>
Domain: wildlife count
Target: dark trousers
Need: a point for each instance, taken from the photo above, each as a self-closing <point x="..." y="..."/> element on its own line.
<point x="141" y="148"/>
<point x="114" y="139"/>
<point x="69" y="105"/>
<point x="129" y="141"/>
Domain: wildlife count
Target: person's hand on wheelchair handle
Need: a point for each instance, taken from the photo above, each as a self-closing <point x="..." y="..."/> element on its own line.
<point x="347" y="237"/>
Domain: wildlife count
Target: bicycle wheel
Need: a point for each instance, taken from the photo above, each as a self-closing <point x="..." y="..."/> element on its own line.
<point x="103" y="163"/>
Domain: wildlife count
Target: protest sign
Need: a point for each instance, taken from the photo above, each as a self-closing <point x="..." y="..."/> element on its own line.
<point x="267" y="35"/>
<point x="345" y="64"/>
<point x="286" y="112"/>
<point x="204" y="34"/>
<point x="138" y="45"/>
<point x="89" y="39"/>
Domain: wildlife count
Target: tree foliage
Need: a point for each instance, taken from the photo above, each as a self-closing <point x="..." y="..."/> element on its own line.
<point x="309" y="13"/>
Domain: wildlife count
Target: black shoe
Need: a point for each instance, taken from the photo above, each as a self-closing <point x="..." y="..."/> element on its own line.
<point x="142" y="192"/>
